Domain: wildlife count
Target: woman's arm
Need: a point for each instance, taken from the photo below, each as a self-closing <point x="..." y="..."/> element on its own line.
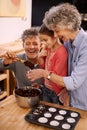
<point x="38" y="73"/>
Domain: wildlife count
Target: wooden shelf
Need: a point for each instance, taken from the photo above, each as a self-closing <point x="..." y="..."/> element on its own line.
<point x="3" y="76"/>
<point x="3" y="95"/>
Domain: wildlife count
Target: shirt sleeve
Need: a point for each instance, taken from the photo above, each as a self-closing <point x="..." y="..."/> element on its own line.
<point x="2" y="67"/>
<point x="79" y="73"/>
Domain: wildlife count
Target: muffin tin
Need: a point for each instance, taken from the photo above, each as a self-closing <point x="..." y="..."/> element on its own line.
<point x="52" y="117"/>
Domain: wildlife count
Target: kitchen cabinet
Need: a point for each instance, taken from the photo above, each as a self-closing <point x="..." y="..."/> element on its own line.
<point x="4" y="84"/>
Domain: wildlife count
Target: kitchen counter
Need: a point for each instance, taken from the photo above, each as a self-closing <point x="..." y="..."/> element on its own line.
<point x="12" y="116"/>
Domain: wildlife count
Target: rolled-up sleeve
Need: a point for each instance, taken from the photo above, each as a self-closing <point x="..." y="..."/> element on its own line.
<point x="1" y="64"/>
<point x="68" y="83"/>
<point x="2" y="67"/>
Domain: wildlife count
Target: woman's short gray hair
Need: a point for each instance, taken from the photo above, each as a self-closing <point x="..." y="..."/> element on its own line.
<point x="63" y="16"/>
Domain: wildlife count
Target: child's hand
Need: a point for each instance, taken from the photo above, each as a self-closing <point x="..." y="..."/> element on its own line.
<point x="43" y="51"/>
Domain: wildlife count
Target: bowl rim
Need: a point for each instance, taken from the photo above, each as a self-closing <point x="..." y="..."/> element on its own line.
<point x="27" y="88"/>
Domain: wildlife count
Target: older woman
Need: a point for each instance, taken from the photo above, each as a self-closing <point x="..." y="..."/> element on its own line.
<point x="65" y="21"/>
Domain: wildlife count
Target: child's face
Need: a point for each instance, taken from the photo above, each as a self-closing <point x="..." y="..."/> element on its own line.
<point x="47" y="41"/>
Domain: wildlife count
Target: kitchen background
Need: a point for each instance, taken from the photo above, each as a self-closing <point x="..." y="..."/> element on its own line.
<point x="11" y="28"/>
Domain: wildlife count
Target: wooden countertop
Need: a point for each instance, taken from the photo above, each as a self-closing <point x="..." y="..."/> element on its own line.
<point x="12" y="116"/>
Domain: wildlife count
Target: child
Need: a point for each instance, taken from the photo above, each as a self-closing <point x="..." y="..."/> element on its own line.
<point x="53" y="57"/>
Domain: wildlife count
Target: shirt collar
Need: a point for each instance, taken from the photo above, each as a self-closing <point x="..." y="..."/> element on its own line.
<point x="77" y="41"/>
<point x="79" y="38"/>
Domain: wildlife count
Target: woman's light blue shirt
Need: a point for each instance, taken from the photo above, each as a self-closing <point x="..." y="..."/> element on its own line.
<point x="76" y="83"/>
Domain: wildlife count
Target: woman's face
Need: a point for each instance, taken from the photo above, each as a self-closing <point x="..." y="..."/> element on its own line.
<point x="47" y="41"/>
<point x="32" y="47"/>
<point x="63" y="34"/>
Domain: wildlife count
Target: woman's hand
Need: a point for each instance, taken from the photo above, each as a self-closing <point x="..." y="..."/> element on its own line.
<point x="9" y="57"/>
<point x="36" y="74"/>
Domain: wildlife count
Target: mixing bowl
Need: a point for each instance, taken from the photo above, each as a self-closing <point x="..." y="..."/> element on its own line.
<point x="27" y="96"/>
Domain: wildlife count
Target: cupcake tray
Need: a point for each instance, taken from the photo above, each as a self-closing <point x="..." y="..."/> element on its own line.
<point x="52" y="117"/>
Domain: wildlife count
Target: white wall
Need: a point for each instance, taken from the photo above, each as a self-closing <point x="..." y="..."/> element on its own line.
<point x="11" y="28"/>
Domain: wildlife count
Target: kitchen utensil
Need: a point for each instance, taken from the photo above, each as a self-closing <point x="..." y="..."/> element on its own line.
<point x="27" y="96"/>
